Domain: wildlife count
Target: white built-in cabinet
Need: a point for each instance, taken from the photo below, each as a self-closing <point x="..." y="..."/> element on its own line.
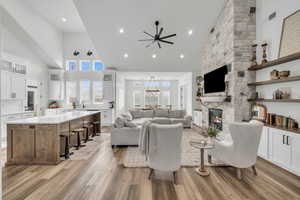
<point x="281" y="148"/>
<point x="197" y="118"/>
<point x="12" y="86"/>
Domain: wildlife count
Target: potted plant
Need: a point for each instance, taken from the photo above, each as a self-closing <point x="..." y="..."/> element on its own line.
<point x="212" y="133"/>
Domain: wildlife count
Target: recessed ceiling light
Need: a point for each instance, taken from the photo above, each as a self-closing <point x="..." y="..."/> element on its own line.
<point x="63" y="19"/>
<point x="181" y="56"/>
<point x="154" y="56"/>
<point x="121" y="30"/>
<point x="190" y="32"/>
<point x="125" y="55"/>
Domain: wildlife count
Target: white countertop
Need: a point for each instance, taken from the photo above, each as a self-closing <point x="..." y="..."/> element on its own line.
<point x="55" y="119"/>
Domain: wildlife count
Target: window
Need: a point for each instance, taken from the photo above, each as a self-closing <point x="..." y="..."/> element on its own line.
<point x="71" y="92"/>
<point x="71" y="65"/>
<point x="85" y="65"/>
<point x="98" y="66"/>
<point x="97" y="92"/>
<point x="85" y="91"/>
<point x="152" y="98"/>
<point x="166" y="84"/>
<point x="151" y="84"/>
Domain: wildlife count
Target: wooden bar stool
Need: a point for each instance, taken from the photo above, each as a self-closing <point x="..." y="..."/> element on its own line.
<point x="67" y="152"/>
<point x="96" y="127"/>
<point x="78" y="131"/>
<point x="87" y="126"/>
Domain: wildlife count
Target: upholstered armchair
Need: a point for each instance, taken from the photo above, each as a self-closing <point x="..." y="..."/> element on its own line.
<point x="165" y="148"/>
<point x="241" y="150"/>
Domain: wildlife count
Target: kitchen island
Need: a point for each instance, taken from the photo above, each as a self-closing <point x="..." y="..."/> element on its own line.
<point x="37" y="140"/>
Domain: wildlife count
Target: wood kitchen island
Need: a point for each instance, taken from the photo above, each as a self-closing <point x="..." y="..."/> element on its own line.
<point x="38" y="140"/>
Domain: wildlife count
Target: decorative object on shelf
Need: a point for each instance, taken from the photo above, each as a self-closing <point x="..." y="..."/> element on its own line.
<point x="274" y="74"/>
<point x="253" y="60"/>
<point x="290" y="41"/>
<point x="282" y="93"/>
<point x="264" y="47"/>
<point x="282" y="122"/>
<point x="284" y="74"/>
<point x="76" y="53"/>
<point x="259" y="112"/>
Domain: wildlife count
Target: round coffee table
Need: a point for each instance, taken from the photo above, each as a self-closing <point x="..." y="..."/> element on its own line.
<point x="202" y="145"/>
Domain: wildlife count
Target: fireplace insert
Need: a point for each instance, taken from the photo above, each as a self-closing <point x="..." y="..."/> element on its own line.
<point x="215" y="118"/>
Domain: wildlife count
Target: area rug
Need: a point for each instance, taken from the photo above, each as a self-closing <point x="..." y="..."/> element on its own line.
<point x="190" y="156"/>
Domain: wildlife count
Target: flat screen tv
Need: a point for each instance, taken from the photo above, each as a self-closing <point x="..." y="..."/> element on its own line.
<point x="215" y="81"/>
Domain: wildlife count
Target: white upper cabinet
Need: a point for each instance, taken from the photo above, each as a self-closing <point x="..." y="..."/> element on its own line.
<point x="12" y="86"/>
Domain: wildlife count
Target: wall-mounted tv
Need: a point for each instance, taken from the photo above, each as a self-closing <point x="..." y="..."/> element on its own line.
<point x="215" y="81"/>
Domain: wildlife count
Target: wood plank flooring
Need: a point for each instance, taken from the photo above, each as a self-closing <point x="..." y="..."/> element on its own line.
<point x="102" y="177"/>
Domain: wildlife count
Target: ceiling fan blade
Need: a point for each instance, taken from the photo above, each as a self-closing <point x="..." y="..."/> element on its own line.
<point x="166" y="41"/>
<point x="158" y="44"/>
<point x="149" y="34"/>
<point x="149" y="44"/>
<point x="160" y="31"/>
<point x="168" y="36"/>
<point x="145" y="40"/>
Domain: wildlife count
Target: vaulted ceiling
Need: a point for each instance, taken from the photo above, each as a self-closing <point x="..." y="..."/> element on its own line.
<point x="104" y="18"/>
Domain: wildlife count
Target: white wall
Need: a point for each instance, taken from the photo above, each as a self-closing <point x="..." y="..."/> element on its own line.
<point x="270" y="31"/>
<point x="45" y="35"/>
<point x="15" y="50"/>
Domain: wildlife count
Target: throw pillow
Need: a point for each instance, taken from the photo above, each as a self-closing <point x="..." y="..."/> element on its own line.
<point x="119" y="122"/>
<point x="161" y="113"/>
<point x="148" y="113"/>
<point x="136" y="114"/>
<point x="126" y="117"/>
<point x="130" y="124"/>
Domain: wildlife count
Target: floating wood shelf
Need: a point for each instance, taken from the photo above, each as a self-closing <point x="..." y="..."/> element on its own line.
<point x="282" y="80"/>
<point x="275" y="100"/>
<point x="278" y="61"/>
<point x="284" y="129"/>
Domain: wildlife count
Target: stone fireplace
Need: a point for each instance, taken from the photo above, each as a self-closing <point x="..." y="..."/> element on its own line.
<point x="215" y="118"/>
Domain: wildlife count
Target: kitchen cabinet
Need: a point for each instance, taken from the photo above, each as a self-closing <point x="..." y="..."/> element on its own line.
<point x="263" y="149"/>
<point x="12" y="86"/>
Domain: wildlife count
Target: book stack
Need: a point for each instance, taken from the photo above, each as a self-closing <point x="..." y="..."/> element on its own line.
<point x="281" y="121"/>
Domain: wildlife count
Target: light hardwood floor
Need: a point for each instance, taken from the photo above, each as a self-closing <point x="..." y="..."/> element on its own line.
<point x="103" y="177"/>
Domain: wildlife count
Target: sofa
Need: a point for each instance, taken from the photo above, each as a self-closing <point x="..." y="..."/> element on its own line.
<point x="127" y="127"/>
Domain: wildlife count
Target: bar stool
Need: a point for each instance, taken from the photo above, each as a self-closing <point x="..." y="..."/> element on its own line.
<point x="87" y="126"/>
<point x="67" y="152"/>
<point x="96" y="127"/>
<point x="78" y="131"/>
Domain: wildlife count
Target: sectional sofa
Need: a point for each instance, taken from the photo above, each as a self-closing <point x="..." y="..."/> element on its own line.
<point x="126" y="128"/>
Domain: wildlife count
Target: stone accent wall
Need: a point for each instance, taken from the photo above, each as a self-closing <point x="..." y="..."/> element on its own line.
<point x="230" y="44"/>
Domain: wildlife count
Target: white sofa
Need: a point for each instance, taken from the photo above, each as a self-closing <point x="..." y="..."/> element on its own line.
<point x="124" y="135"/>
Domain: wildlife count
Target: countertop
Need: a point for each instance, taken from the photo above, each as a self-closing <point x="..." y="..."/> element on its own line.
<point x="55" y="119"/>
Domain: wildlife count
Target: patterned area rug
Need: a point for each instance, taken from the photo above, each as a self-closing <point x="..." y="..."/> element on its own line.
<point x="190" y="156"/>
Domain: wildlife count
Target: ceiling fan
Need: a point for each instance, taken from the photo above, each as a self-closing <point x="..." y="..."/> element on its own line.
<point x="157" y="38"/>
